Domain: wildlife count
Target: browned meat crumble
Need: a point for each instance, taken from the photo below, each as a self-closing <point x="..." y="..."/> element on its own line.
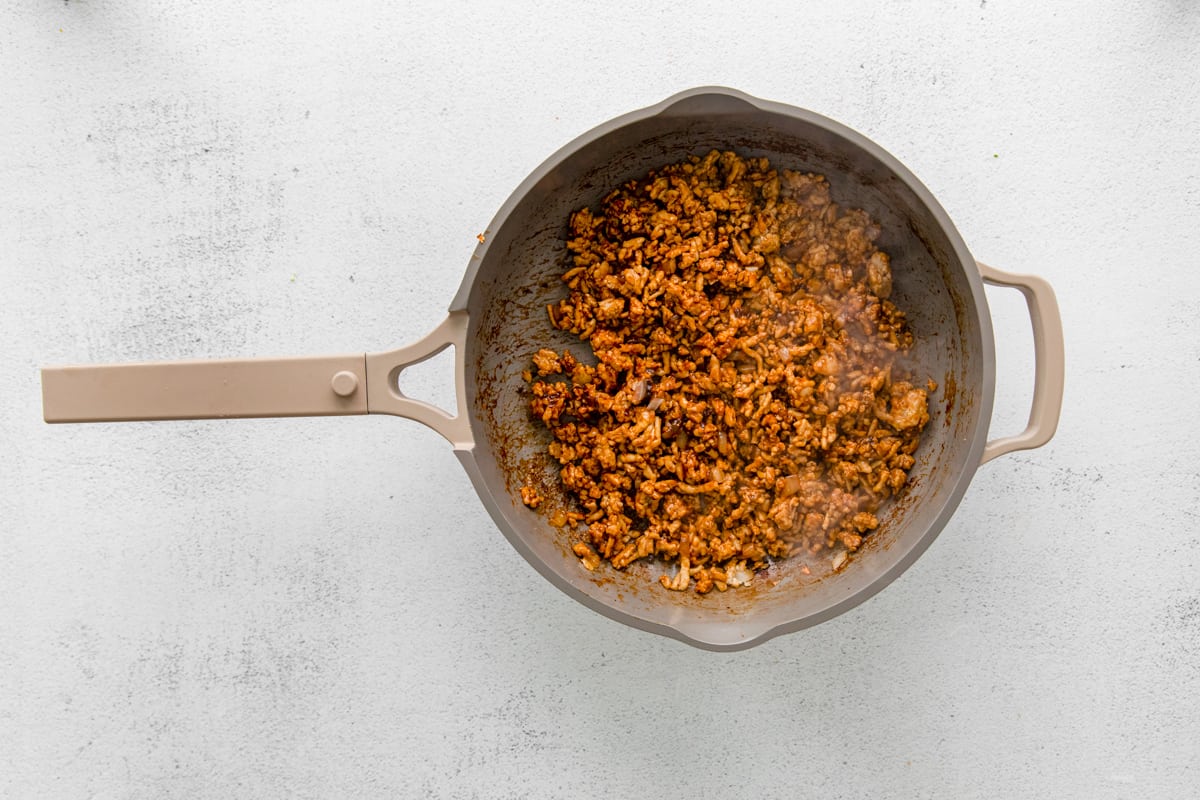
<point x="745" y="401"/>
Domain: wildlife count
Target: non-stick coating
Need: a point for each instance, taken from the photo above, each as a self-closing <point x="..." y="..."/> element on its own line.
<point x="517" y="274"/>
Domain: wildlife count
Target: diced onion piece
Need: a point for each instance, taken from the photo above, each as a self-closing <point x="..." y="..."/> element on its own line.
<point x="738" y="575"/>
<point x="791" y="485"/>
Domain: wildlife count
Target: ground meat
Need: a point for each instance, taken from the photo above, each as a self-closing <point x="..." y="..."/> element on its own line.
<point x="546" y="362"/>
<point x="745" y="401"/>
<point x="530" y="496"/>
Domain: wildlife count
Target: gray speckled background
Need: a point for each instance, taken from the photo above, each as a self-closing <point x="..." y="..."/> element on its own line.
<point x="258" y="609"/>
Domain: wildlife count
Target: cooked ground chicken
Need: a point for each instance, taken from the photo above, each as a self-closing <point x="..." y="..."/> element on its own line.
<point x="745" y="401"/>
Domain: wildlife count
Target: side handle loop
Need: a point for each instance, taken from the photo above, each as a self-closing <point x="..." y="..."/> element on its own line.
<point x="1049" y="362"/>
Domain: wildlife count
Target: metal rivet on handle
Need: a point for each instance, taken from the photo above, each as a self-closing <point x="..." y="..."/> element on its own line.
<point x="344" y="383"/>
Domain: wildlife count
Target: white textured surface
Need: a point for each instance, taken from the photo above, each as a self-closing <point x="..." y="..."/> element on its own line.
<point x="257" y="609"/>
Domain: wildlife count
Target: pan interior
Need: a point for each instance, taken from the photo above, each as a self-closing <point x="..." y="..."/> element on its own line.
<point x="520" y="275"/>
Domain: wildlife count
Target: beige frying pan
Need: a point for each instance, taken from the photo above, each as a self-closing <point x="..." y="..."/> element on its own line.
<point x="497" y="321"/>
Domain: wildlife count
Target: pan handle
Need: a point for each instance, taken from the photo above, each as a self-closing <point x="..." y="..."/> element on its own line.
<point x="260" y="387"/>
<point x="383" y="380"/>
<point x="1049" y="362"/>
<point x="243" y="387"/>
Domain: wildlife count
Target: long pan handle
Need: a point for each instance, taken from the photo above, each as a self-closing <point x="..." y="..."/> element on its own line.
<point x="313" y="386"/>
<point x="248" y="387"/>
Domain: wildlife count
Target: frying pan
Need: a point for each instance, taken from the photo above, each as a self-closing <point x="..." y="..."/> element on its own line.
<point x="497" y="320"/>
